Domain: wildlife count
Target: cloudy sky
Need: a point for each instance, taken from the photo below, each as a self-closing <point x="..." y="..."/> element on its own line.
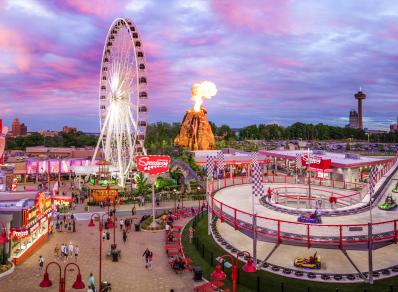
<point x="273" y="60"/>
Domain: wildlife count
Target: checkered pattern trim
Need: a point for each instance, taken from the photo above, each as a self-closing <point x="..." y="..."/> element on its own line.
<point x="298" y="161"/>
<point x="257" y="178"/>
<point x="210" y="166"/>
<point x="254" y="158"/>
<point x="220" y="161"/>
<point x="373" y="174"/>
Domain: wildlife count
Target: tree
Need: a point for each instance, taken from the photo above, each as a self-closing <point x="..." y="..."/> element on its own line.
<point x="225" y="132"/>
<point x="143" y="187"/>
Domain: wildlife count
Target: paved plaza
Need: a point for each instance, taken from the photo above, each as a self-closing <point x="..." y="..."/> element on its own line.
<point x="129" y="274"/>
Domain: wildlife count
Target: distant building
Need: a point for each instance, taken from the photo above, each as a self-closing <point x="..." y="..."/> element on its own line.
<point x="67" y="129"/>
<point x="60" y="152"/>
<point x="353" y="120"/>
<point x="24" y="130"/>
<point x="375" y="131"/>
<point x="394" y="127"/>
<point x="47" y="133"/>
<point x="18" y="129"/>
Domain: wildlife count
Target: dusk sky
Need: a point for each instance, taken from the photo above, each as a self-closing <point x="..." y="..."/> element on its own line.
<point x="273" y="61"/>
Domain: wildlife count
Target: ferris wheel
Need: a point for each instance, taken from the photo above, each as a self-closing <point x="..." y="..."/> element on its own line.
<point x="123" y="97"/>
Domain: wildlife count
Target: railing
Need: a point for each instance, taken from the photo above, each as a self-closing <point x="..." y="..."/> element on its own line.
<point x="298" y="194"/>
<point x="337" y="235"/>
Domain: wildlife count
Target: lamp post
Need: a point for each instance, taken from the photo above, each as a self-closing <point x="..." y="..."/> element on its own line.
<point x="175" y="200"/>
<point x="249" y="267"/>
<point x="3" y="240"/>
<point x="197" y="194"/>
<point x="92" y="224"/>
<point x="46" y="282"/>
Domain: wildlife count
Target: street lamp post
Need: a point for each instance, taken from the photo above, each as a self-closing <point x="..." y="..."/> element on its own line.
<point x="249" y="267"/>
<point x="92" y="224"/>
<point x="175" y="200"/>
<point x="46" y="282"/>
<point x="197" y="194"/>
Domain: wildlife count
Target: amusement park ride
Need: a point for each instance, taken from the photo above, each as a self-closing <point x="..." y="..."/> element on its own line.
<point x="123" y="98"/>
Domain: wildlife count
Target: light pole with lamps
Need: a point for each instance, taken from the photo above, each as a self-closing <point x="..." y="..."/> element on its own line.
<point x="46" y="282"/>
<point x="249" y="267"/>
<point x="92" y="224"/>
<point x="175" y="199"/>
<point x="197" y="194"/>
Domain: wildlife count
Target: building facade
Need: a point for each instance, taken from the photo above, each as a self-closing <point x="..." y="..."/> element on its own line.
<point x="18" y="129"/>
<point x="353" y="120"/>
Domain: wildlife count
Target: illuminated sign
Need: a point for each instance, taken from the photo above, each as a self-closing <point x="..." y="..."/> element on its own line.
<point x="153" y="164"/>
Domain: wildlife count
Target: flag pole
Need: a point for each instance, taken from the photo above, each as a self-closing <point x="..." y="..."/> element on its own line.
<point x="370" y="226"/>
<point x="309" y="178"/>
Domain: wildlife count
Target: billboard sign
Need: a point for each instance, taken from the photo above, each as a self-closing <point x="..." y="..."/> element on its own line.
<point x="153" y="164"/>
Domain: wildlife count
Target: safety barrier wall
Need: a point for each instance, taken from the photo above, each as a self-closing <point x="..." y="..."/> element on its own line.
<point x="281" y="230"/>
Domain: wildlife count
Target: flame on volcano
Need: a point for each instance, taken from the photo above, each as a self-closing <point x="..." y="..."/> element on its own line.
<point x="204" y="89"/>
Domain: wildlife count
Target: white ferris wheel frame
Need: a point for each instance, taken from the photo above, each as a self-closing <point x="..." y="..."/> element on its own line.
<point x="123" y="98"/>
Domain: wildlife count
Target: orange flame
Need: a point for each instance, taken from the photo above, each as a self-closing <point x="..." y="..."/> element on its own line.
<point x="204" y="89"/>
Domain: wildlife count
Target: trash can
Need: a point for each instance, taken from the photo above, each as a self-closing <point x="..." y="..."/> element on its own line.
<point x="197" y="273"/>
<point x="137" y="227"/>
<point x="115" y="256"/>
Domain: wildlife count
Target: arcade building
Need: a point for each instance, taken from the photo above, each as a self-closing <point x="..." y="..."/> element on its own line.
<point x="27" y="219"/>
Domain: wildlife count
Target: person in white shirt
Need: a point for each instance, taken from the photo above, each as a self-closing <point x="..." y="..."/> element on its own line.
<point x="70" y="249"/>
<point x="76" y="252"/>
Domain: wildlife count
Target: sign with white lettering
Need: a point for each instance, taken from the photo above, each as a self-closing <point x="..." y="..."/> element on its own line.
<point x="153" y="164"/>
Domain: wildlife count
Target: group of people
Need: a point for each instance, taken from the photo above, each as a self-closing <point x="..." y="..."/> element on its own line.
<point x="66" y="251"/>
<point x="65" y="222"/>
<point x="179" y="264"/>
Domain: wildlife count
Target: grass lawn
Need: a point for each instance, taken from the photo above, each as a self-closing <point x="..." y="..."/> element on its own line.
<point x="208" y="249"/>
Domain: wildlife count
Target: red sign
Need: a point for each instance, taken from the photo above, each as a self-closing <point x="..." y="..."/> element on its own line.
<point x="153" y="164"/>
<point x="316" y="162"/>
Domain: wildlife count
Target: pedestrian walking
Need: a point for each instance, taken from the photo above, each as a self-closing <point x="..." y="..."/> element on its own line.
<point x="121" y="223"/>
<point x="191" y="232"/>
<point x="56" y="251"/>
<point x="103" y="235"/>
<point x="91" y="280"/>
<point x="133" y="211"/>
<point x="76" y="249"/>
<point x="124" y="235"/>
<point x="41" y="264"/>
<point x="146" y="255"/>
<point x="150" y="258"/>
<point x="70" y="249"/>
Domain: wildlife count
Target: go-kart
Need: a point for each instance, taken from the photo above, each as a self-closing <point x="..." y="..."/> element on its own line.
<point x="312" y="262"/>
<point x="395" y="190"/>
<point x="314" y="218"/>
<point x="389" y="204"/>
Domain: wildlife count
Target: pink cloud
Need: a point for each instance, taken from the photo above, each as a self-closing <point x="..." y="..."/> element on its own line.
<point x="270" y="17"/>
<point x="97" y="7"/>
<point x="13" y="46"/>
<point x="283" y="62"/>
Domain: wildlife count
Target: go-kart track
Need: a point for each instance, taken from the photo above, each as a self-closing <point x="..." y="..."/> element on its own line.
<point x="341" y="239"/>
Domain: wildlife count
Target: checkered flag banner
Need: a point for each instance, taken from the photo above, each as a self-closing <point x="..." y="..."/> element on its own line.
<point x="210" y="166"/>
<point x="372" y="179"/>
<point x="298" y="161"/>
<point x="220" y="161"/>
<point x="254" y="159"/>
<point x="257" y="180"/>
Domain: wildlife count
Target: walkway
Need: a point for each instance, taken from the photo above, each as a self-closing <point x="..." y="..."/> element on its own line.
<point x="129" y="274"/>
